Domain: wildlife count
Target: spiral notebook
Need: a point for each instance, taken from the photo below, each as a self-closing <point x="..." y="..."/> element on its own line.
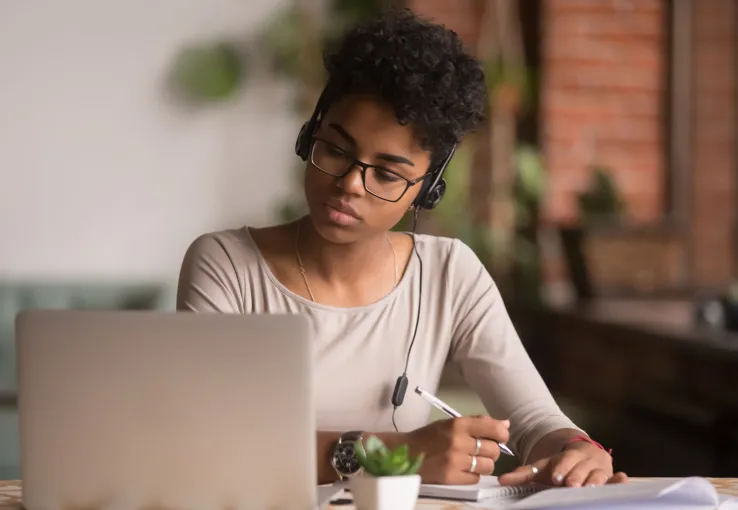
<point x="487" y="488"/>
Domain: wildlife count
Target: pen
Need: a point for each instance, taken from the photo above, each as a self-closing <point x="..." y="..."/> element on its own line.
<point x="443" y="406"/>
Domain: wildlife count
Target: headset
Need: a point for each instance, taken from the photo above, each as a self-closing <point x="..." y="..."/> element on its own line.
<point x="432" y="189"/>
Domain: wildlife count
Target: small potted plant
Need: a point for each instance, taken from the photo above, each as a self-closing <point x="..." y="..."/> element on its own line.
<point x="389" y="481"/>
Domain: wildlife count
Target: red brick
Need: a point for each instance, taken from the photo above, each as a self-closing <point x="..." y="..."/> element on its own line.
<point x="568" y="6"/>
<point x="713" y="179"/>
<point x="604" y="81"/>
<point x="637" y="104"/>
<point x="600" y="76"/>
<point x="606" y="26"/>
<point x="583" y="50"/>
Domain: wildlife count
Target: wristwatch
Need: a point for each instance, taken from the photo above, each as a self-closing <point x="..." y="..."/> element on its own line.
<point x="344" y="455"/>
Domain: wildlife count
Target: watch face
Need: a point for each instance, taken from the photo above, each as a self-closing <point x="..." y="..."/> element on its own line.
<point x="345" y="458"/>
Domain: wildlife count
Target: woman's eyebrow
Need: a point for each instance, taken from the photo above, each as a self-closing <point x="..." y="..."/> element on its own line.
<point x="391" y="158"/>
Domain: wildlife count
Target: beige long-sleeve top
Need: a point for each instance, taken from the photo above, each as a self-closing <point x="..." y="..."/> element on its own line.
<point x="361" y="351"/>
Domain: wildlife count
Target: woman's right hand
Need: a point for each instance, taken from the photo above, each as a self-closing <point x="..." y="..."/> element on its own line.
<point x="450" y="445"/>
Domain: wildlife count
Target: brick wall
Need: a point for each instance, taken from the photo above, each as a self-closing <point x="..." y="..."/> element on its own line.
<point x="601" y="101"/>
<point x="603" y="98"/>
<point x="714" y="166"/>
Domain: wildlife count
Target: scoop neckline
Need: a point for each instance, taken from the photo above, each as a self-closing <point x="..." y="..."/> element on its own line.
<point x="405" y="280"/>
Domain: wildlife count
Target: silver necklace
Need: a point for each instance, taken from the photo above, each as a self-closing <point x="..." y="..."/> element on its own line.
<point x="302" y="269"/>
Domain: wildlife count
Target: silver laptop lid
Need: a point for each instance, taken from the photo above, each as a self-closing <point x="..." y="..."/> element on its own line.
<point x="165" y="410"/>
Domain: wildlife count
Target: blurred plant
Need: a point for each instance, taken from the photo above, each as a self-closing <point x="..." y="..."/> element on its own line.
<point x="293" y="41"/>
<point x="529" y="192"/>
<point x="510" y="86"/>
<point x="209" y="71"/>
<point x="601" y="202"/>
<point x="378" y="460"/>
<point x="530" y="184"/>
<point x="279" y="38"/>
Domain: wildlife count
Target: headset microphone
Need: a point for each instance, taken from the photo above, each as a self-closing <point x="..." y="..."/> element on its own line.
<point x="398" y="396"/>
<point x="430" y="195"/>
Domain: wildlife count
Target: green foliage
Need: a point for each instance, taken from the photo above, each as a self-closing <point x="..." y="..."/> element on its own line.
<point x="601" y="202"/>
<point x="281" y="37"/>
<point x="497" y="73"/>
<point x="378" y="460"/>
<point x="530" y="184"/>
<point x="208" y="72"/>
<point x="356" y="9"/>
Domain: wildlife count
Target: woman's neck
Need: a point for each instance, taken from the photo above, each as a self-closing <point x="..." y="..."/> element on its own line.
<point x="341" y="263"/>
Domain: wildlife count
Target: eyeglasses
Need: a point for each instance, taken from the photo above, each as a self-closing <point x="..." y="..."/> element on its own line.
<point x="379" y="181"/>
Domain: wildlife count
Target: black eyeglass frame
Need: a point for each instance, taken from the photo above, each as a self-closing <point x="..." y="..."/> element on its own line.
<point x="364" y="166"/>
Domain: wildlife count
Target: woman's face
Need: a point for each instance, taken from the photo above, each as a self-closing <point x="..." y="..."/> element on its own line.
<point x="364" y="129"/>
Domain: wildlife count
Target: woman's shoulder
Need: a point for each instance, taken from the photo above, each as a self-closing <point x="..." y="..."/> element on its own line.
<point x="454" y="261"/>
<point x="227" y="245"/>
<point x="214" y="271"/>
<point x="446" y="251"/>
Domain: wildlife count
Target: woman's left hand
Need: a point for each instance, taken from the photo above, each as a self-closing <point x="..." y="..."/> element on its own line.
<point x="578" y="465"/>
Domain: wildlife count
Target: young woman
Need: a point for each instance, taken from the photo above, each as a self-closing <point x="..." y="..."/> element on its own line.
<point x="401" y="93"/>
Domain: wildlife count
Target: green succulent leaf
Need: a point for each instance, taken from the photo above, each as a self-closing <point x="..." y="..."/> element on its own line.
<point x="375" y="446"/>
<point x="360" y="452"/>
<point x="415" y="466"/>
<point x="401" y="453"/>
<point x="378" y="460"/>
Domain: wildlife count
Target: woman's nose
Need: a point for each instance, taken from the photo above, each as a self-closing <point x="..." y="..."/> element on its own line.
<point x="353" y="182"/>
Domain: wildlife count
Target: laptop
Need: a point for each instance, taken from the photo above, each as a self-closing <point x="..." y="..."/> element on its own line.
<point x="124" y="409"/>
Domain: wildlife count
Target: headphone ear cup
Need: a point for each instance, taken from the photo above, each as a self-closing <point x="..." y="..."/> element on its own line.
<point x="420" y="199"/>
<point x="435" y="195"/>
<point x="302" y="144"/>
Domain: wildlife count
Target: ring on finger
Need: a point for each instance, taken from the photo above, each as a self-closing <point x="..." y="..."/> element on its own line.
<point x="473" y="464"/>
<point x="534" y="469"/>
<point x="479" y="447"/>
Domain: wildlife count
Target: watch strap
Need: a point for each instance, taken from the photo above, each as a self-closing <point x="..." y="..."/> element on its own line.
<point x="347" y="437"/>
<point x="353" y="436"/>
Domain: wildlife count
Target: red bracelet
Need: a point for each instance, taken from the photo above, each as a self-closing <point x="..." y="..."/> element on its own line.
<point x="587" y="440"/>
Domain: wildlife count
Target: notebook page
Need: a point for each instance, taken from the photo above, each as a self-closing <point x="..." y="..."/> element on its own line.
<point x="459" y="491"/>
<point x="650" y="505"/>
<point x="693" y="490"/>
<point x="683" y="492"/>
<point x="487" y="487"/>
<point x="727" y="502"/>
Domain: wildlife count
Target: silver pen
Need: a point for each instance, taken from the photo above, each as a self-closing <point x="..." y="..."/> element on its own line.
<point x="443" y="406"/>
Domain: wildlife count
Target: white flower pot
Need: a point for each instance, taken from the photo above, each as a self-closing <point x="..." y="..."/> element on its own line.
<point x="385" y="492"/>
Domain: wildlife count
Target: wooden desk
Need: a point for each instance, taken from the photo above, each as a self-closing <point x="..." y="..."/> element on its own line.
<point x="10" y="496"/>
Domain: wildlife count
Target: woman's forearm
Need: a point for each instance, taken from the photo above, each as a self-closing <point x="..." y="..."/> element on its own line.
<point x="326" y="443"/>
<point x="552" y="443"/>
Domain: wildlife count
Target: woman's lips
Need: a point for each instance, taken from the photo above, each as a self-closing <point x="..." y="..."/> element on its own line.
<point x="340" y="217"/>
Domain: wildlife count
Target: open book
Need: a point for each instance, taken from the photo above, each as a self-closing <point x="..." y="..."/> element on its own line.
<point x="487" y="488"/>
<point x="686" y="493"/>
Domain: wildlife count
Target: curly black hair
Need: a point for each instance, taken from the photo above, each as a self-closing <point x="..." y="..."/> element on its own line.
<point x="420" y="68"/>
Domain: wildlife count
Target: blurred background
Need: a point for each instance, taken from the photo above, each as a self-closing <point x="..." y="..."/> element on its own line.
<point x="600" y="193"/>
